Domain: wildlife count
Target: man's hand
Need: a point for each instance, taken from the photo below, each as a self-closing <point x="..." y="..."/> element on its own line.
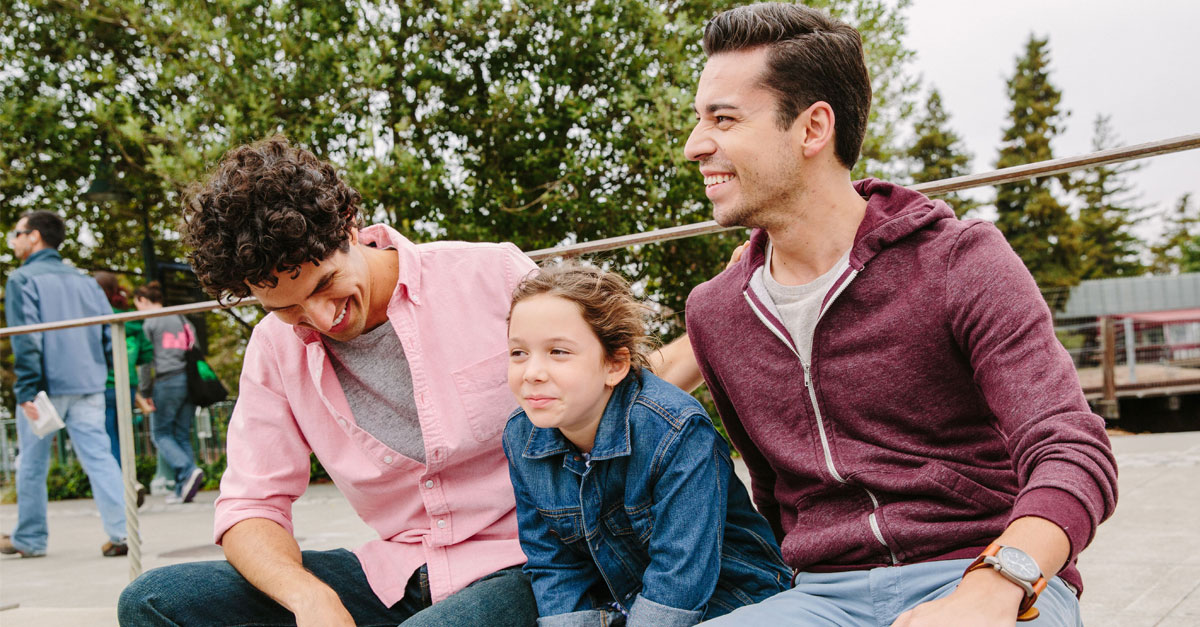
<point x="31" y="411"/>
<point x="269" y="558"/>
<point x="144" y="404"/>
<point x="322" y="609"/>
<point x="984" y="597"/>
<point x="737" y="254"/>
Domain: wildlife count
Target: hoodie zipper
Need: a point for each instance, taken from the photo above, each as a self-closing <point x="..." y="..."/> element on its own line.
<point x="812" y="397"/>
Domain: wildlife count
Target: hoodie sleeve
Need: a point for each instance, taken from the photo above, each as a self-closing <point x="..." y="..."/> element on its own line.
<point x="1060" y="450"/>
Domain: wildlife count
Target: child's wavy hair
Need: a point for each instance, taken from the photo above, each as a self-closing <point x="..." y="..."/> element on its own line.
<point x="608" y="306"/>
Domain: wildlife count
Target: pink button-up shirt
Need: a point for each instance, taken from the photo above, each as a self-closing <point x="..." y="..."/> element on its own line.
<point x="456" y="511"/>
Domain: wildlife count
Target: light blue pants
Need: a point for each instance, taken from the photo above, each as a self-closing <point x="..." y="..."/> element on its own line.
<point x="878" y="596"/>
<point x="83" y="415"/>
<point x="171" y="426"/>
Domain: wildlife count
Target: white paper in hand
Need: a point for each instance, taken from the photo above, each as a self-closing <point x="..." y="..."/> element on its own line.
<point x="48" y="420"/>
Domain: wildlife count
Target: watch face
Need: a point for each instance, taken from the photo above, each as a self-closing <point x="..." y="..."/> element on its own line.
<point x="1019" y="564"/>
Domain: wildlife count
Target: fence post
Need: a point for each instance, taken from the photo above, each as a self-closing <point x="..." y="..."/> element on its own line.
<point x="1131" y="349"/>
<point x="1108" y="404"/>
<point x="133" y="536"/>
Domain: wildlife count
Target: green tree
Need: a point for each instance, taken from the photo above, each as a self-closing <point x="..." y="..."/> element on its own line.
<point x="1110" y="249"/>
<point x="1036" y="223"/>
<point x="1179" y="250"/>
<point x="533" y="121"/>
<point x="938" y="152"/>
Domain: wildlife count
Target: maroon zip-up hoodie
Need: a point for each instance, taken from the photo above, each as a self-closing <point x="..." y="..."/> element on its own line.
<point x="937" y="408"/>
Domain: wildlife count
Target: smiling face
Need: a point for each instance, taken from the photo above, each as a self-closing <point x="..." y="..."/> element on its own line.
<point x="751" y="167"/>
<point x="333" y="298"/>
<point x="557" y="368"/>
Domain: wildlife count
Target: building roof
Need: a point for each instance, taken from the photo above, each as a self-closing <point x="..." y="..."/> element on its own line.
<point x="1131" y="295"/>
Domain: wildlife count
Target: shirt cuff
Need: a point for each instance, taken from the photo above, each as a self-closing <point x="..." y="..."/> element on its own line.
<point x="1061" y="508"/>
<point x="583" y="618"/>
<point x="647" y="612"/>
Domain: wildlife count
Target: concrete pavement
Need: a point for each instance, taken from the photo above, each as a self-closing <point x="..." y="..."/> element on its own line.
<point x="1143" y="569"/>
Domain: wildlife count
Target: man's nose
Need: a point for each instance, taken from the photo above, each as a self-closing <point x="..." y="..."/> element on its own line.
<point x="699" y="145"/>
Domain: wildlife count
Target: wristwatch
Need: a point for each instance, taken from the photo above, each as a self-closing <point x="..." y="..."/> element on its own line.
<point x="1016" y="566"/>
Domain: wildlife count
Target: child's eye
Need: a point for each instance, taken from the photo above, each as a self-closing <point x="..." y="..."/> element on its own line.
<point x="516" y="353"/>
<point x="559" y="351"/>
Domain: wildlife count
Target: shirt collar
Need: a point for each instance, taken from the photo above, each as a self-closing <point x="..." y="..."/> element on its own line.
<point x="45" y="253"/>
<point x="612" y="436"/>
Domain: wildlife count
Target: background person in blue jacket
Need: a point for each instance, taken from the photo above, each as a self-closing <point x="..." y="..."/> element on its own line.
<point x="71" y="366"/>
<point x="626" y="501"/>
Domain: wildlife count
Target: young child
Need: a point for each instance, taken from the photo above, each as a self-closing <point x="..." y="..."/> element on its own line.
<point x="626" y="499"/>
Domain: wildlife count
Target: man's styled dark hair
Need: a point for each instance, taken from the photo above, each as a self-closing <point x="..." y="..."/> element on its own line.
<point x="812" y="57"/>
<point x="51" y="227"/>
<point x="267" y="207"/>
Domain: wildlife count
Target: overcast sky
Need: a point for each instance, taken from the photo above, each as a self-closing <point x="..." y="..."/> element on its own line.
<point x="1138" y="62"/>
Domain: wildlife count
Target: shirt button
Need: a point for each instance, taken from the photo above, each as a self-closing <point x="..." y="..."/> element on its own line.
<point x="429" y="483"/>
<point x="387" y="459"/>
<point x="441" y="524"/>
<point x="342" y="422"/>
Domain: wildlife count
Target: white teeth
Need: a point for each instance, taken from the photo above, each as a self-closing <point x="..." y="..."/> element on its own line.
<point x="342" y="315"/>
<point x="719" y="178"/>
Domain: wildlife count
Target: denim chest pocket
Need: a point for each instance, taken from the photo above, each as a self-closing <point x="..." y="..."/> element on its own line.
<point x="567" y="523"/>
<point x="637" y="522"/>
<point x="483" y="391"/>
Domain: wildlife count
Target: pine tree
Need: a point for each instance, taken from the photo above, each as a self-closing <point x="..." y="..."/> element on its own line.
<point x="939" y="153"/>
<point x="1180" y="249"/>
<point x="1110" y="249"/>
<point x="1036" y="223"/>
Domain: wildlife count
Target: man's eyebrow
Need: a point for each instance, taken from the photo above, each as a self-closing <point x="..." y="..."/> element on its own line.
<point x="322" y="283"/>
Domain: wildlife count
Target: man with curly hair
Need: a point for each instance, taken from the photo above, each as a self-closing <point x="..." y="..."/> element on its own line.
<point x="386" y="359"/>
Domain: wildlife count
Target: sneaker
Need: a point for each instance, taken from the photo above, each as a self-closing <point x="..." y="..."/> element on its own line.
<point x="7" y="548"/>
<point x="172" y="499"/>
<point x="141" y="494"/>
<point x="192" y="485"/>
<point x="114" y="549"/>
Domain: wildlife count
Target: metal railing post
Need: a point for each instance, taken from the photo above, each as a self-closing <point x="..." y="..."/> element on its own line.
<point x="1130" y="350"/>
<point x="133" y="534"/>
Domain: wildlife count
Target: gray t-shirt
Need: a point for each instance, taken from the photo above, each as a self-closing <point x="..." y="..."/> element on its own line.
<point x="170" y="336"/>
<point x="800" y="305"/>
<point x="377" y="382"/>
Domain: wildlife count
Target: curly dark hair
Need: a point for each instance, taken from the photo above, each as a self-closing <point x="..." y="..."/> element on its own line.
<point x="267" y="208"/>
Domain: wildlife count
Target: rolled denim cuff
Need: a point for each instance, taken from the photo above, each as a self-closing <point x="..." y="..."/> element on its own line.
<point x="647" y="612"/>
<point x="583" y="618"/>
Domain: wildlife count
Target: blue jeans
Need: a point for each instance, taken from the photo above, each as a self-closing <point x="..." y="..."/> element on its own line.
<point x="879" y="595"/>
<point x="110" y="419"/>
<point x="213" y="593"/>
<point x="84" y="417"/>
<point x="171" y="426"/>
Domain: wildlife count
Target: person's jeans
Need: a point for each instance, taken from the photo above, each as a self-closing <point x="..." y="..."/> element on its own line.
<point x="213" y="593"/>
<point x="110" y="419"/>
<point x="879" y="595"/>
<point x="83" y="415"/>
<point x="171" y="425"/>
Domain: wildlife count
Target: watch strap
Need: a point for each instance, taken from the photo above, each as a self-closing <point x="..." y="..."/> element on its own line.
<point x="1026" y="612"/>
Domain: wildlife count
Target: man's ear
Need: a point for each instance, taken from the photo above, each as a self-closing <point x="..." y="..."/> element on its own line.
<point x="618" y="366"/>
<point x="353" y="233"/>
<point x="816" y="124"/>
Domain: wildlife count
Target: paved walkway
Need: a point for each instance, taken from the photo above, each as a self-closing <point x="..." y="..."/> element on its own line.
<point x="1143" y="569"/>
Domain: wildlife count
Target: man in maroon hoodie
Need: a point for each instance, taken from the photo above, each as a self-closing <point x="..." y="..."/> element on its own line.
<point x="915" y="432"/>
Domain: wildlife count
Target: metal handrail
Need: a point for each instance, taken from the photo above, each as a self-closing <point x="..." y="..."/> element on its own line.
<point x="933" y="188"/>
<point x="121" y="356"/>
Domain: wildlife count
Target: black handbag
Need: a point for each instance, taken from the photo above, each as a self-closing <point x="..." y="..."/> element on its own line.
<point x="204" y="388"/>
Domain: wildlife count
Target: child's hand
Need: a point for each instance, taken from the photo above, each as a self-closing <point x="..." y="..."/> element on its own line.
<point x="737" y="254"/>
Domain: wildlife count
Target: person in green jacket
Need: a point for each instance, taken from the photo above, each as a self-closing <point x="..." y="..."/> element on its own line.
<point x="140" y="352"/>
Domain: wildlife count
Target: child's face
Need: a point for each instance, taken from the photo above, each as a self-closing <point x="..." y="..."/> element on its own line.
<point x="557" y="368"/>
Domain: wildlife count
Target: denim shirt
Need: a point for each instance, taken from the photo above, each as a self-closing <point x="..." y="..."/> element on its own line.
<point x="653" y="524"/>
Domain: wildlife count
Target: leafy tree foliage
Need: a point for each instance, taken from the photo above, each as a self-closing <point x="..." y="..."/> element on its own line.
<point x="1110" y="249"/>
<point x="1179" y="251"/>
<point x="1036" y="223"/>
<point x="530" y="121"/>
<point x="938" y="151"/>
